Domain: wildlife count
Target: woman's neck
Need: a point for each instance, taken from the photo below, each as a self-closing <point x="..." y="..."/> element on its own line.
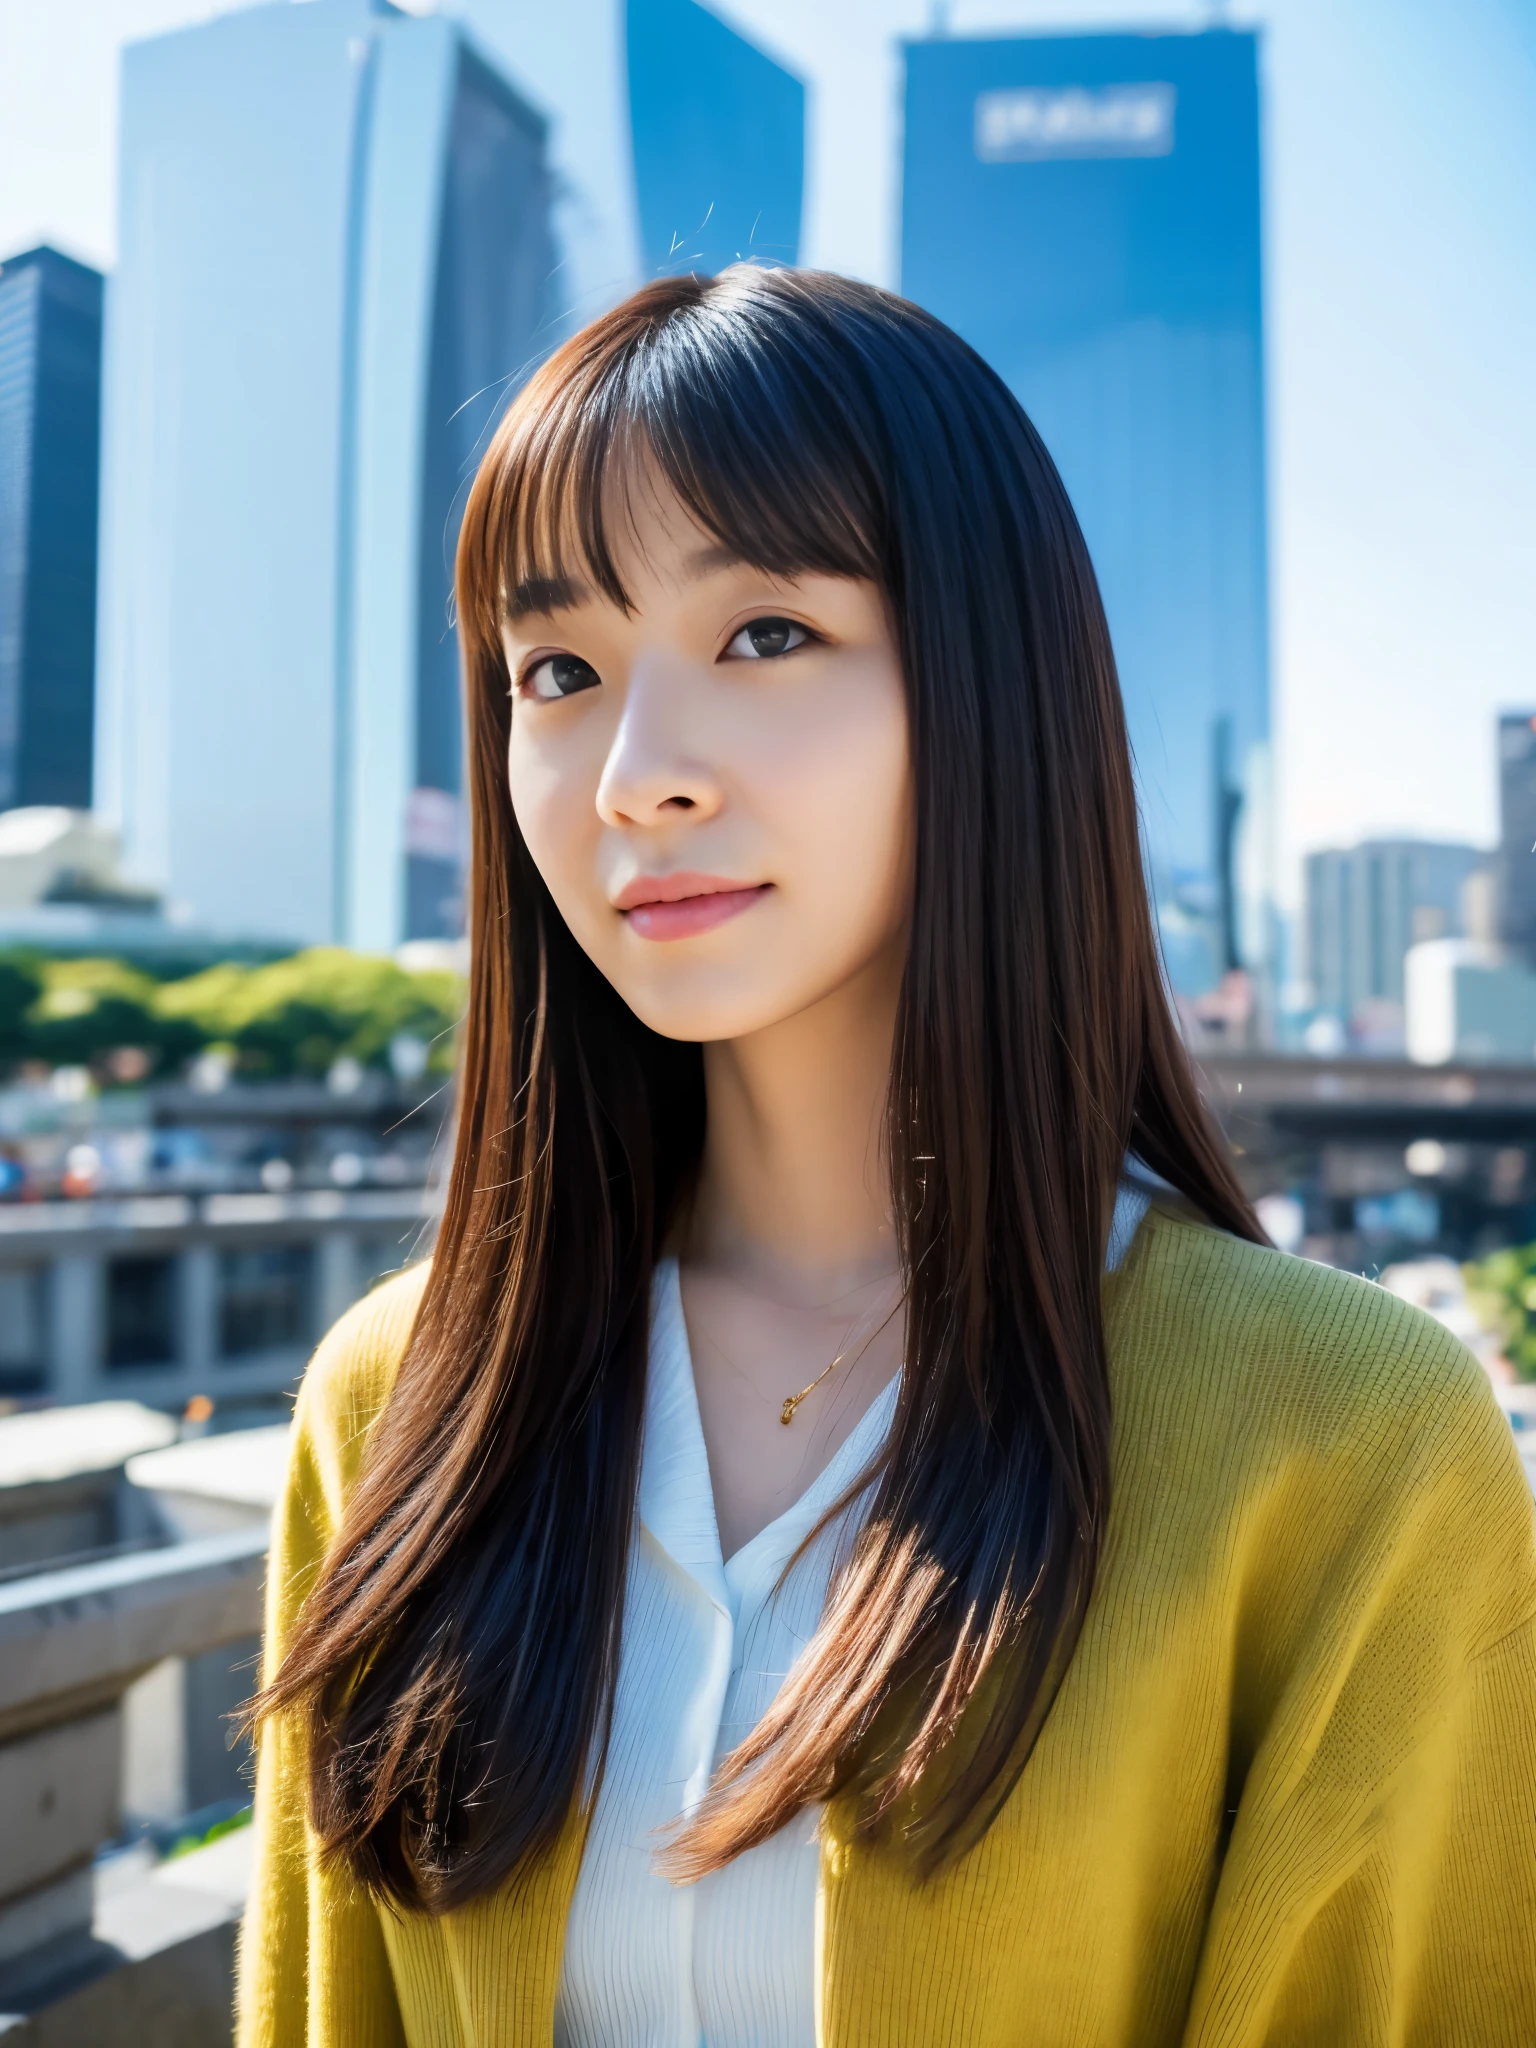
<point x="790" y="1275"/>
<point x="793" y="1194"/>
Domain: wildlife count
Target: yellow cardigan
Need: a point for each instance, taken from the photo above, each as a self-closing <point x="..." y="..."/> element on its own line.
<point x="1287" y="1794"/>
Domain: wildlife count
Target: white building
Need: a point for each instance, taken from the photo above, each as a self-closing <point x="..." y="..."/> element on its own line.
<point x="335" y="255"/>
<point x="1465" y="1000"/>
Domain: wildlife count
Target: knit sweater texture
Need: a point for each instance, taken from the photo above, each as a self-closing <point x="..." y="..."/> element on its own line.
<point x="1286" y="1797"/>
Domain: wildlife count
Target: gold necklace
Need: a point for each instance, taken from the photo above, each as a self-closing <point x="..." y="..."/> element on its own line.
<point x="792" y="1401"/>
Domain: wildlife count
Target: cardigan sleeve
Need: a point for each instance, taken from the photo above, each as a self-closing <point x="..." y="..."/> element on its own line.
<point x="313" y="1971"/>
<point x="1379" y="1885"/>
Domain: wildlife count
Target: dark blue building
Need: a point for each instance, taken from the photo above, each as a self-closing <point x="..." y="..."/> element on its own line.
<point x="1085" y="210"/>
<point x="50" y="435"/>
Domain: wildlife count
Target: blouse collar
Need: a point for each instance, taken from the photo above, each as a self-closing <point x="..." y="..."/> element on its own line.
<point x="677" y="1502"/>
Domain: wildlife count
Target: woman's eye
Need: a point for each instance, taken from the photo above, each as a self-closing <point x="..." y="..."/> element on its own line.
<point x="560" y="675"/>
<point x="762" y="639"/>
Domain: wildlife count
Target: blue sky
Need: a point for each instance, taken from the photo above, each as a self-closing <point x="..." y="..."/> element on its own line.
<point x="1401" y="281"/>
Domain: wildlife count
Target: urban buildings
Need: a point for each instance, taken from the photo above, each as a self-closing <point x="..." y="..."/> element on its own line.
<point x="338" y="261"/>
<point x="1365" y="906"/>
<point x="50" y="410"/>
<point x="1085" y="210"/>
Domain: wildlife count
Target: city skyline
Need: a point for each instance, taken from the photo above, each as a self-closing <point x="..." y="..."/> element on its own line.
<point x="1401" y="154"/>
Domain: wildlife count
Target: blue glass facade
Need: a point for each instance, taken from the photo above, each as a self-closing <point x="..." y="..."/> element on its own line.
<point x="50" y="430"/>
<point x="718" y="132"/>
<point x="1086" y="211"/>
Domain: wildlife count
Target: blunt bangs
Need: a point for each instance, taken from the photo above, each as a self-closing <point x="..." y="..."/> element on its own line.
<point x="726" y="404"/>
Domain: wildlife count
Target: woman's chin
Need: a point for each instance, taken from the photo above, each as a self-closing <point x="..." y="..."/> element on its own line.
<point x="706" y="1009"/>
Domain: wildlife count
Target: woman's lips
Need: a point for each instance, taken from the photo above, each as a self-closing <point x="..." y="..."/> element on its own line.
<point x="679" y="906"/>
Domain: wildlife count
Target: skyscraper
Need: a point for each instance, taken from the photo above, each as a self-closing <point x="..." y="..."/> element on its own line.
<point x="338" y="262"/>
<point x="1515" y="862"/>
<point x="334" y="264"/>
<point x="50" y="411"/>
<point x="1085" y="210"/>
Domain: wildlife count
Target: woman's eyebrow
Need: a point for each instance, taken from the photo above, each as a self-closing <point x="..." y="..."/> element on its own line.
<point x="720" y="555"/>
<point x="546" y="594"/>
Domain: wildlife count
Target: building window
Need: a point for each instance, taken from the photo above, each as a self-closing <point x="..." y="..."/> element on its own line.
<point x="141" y="1313"/>
<point x="23" y="1329"/>
<point x="266" y="1297"/>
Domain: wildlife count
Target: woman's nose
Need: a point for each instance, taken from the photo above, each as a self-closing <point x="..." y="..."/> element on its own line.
<point x="651" y="773"/>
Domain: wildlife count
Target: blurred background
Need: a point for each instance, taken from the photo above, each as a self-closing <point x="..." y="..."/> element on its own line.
<point x="1264" y="277"/>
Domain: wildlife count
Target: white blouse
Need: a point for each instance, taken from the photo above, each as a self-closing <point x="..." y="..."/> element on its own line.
<point x="728" y="1962"/>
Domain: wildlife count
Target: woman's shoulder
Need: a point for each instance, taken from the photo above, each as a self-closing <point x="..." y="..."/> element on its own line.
<point x="1274" y="1409"/>
<point x="350" y="1377"/>
<point x="1277" y="1356"/>
<point x="1312" y="1334"/>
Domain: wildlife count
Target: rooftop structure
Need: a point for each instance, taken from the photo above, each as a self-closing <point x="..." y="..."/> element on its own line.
<point x="169" y="1243"/>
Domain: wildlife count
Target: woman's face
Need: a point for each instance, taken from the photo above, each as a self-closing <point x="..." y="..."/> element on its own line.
<point x="715" y="785"/>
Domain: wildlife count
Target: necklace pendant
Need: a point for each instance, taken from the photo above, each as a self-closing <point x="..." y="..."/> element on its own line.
<point x="787" y="1412"/>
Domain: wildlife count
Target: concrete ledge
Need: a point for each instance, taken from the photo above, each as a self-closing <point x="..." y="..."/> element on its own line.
<point x="38" y="1918"/>
<point x="181" y="1998"/>
<point x="59" y="1802"/>
<point x="157" y="1967"/>
<point x="215" y="1483"/>
<point x="71" y="1638"/>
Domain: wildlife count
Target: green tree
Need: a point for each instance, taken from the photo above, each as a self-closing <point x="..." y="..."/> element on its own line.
<point x="1501" y="1290"/>
<point x="21" y="983"/>
<point x="299" y="1015"/>
<point x="89" y="1008"/>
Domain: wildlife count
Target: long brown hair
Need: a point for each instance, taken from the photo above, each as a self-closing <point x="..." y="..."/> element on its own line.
<point x="456" y="1661"/>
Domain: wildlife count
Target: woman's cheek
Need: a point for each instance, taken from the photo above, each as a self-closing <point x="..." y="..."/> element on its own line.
<point x="550" y="813"/>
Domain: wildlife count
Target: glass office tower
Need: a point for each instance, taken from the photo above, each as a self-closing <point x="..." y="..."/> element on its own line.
<point x="1085" y="210"/>
<point x="50" y="413"/>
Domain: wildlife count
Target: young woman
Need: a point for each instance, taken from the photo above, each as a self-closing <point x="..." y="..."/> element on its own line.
<point x="854" y="1538"/>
